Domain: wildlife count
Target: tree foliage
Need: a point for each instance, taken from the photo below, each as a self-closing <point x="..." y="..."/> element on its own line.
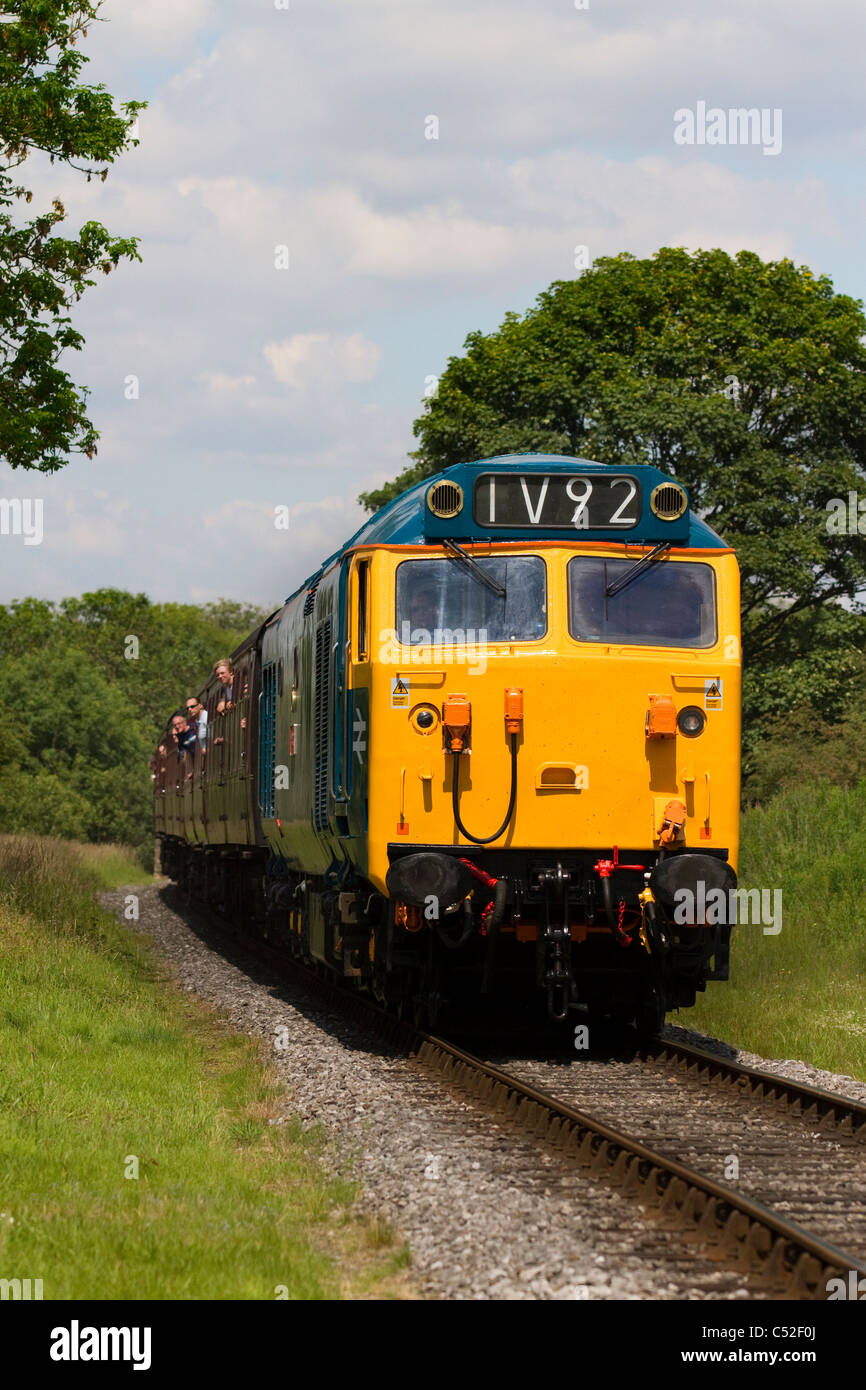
<point x="745" y="379"/>
<point x="802" y="748"/>
<point x="46" y="107"/>
<point x="87" y="705"/>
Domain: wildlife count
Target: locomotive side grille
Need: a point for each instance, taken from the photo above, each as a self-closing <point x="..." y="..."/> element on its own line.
<point x="668" y="501"/>
<point x="267" y="743"/>
<point x="310" y="600"/>
<point x="321" y="766"/>
<point x="445" y="499"/>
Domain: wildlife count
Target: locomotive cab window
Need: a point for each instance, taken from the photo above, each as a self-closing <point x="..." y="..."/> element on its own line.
<point x="439" y="601"/>
<point x="363" y="583"/>
<point x="669" y="604"/>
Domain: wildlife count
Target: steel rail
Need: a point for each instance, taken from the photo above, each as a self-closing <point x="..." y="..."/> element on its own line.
<point x="812" y="1104"/>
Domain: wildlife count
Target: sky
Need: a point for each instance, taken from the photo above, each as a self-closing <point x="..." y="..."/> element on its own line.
<point x="331" y="194"/>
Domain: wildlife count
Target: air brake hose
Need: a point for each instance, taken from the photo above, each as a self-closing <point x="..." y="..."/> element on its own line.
<point x="455" y="797"/>
<point x="465" y="936"/>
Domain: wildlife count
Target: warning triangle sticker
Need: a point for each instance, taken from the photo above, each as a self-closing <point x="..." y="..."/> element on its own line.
<point x="713" y="692"/>
<point x="399" y="688"/>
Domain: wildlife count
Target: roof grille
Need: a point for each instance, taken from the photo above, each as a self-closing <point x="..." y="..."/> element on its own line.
<point x="267" y="743"/>
<point x="321" y="725"/>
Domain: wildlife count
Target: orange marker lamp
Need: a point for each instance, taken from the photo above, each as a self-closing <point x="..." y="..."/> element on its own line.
<point x="661" y="717"/>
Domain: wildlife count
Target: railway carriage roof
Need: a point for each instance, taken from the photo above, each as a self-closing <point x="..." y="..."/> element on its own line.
<point x="519" y="483"/>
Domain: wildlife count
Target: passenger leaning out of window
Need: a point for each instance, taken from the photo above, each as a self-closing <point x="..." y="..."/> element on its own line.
<point x="184" y="732"/>
<point x="224" y="672"/>
<point x="198" y="715"/>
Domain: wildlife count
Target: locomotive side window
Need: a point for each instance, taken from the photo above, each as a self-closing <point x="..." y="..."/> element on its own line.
<point x="362" y="653"/>
<point x="440" y="601"/>
<point x="669" y="604"/>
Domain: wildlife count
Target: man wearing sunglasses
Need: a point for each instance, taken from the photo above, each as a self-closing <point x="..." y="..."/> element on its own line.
<point x="197" y="714"/>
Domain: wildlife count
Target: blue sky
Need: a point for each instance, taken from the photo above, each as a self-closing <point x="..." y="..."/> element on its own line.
<point x="305" y="127"/>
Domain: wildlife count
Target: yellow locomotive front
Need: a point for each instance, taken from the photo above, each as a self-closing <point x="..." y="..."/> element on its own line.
<point x="553" y="740"/>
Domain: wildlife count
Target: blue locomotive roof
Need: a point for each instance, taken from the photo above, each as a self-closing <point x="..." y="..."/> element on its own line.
<point x="520" y="497"/>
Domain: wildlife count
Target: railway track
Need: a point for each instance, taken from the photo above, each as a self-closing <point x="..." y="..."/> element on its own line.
<point x="780" y="1256"/>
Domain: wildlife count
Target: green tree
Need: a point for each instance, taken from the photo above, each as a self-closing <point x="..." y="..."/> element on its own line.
<point x="45" y="107"/>
<point x="802" y="748"/>
<point x="745" y="379"/>
<point x="233" y="617"/>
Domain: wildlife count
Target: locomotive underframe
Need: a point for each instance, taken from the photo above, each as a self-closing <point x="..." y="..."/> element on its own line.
<point x="553" y="939"/>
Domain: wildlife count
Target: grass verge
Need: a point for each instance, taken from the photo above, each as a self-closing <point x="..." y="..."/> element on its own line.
<point x="139" y="1154"/>
<point x="800" y="993"/>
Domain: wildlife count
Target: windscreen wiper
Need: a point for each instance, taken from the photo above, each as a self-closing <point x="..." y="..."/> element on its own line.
<point x="655" y="554"/>
<point x="474" y="568"/>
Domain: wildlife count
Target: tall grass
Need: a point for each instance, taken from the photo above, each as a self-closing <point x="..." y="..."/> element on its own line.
<point x="801" y="993"/>
<point x="55" y="880"/>
<point x="140" y="1154"/>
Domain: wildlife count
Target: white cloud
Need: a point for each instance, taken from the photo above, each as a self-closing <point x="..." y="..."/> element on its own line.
<point x="152" y="26"/>
<point x="173" y="550"/>
<point x="219" y="383"/>
<point x="325" y="359"/>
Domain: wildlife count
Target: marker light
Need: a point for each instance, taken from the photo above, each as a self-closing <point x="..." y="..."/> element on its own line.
<point x="661" y="717"/>
<point x="691" y="721"/>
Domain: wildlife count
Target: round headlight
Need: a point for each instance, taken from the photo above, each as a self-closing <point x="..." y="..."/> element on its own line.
<point x="691" y="721"/>
<point x="424" y="719"/>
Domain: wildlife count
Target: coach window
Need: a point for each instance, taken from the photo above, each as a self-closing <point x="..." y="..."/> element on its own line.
<point x="216" y="730"/>
<point x="669" y="604"/>
<point x="294" y="677"/>
<point x="362" y="652"/>
<point x="229" y="725"/>
<point x="243" y="716"/>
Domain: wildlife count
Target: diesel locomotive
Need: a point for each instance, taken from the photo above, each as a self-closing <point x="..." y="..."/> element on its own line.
<point x="488" y="751"/>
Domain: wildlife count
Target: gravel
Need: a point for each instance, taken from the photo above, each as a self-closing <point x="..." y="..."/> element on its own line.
<point x="486" y="1213"/>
